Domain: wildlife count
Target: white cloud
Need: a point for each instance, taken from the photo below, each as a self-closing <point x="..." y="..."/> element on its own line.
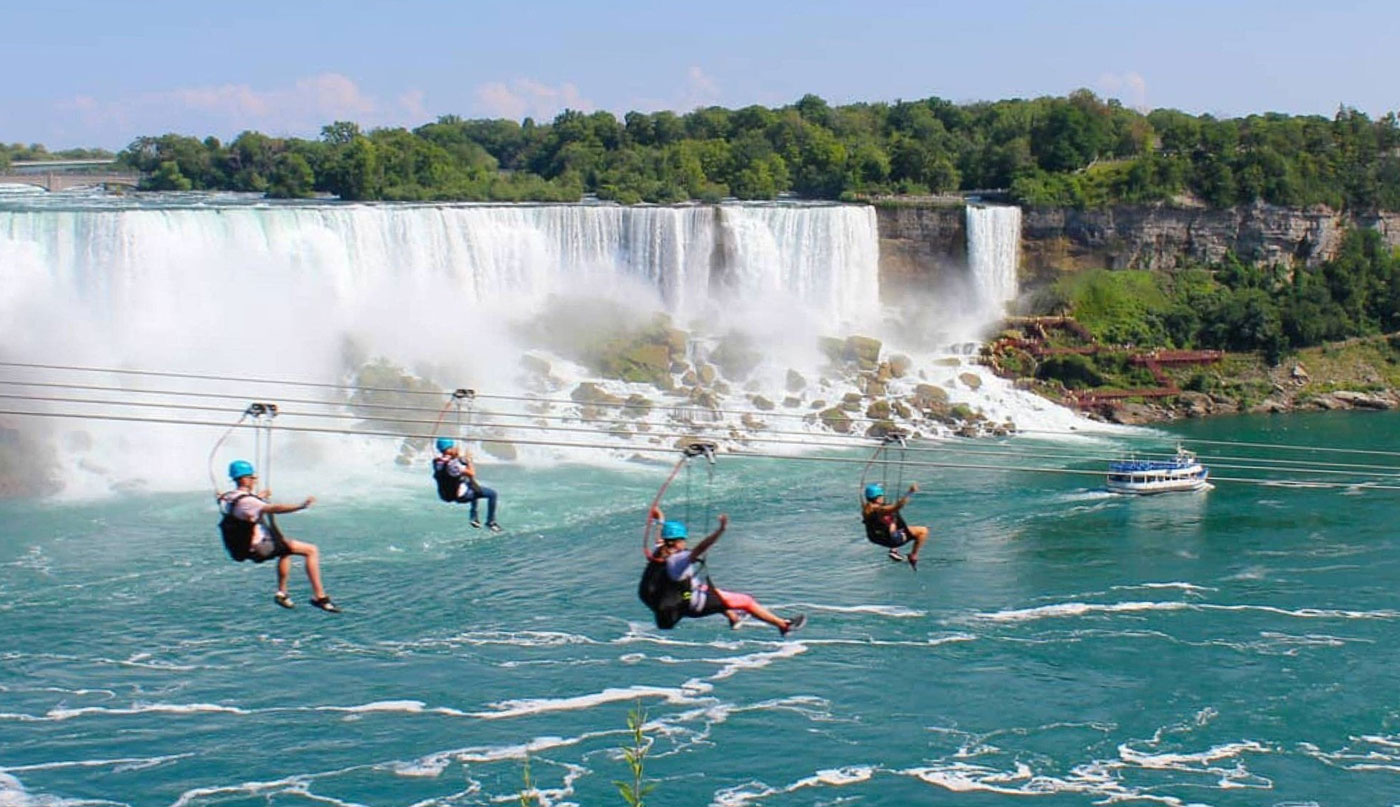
<point x="1130" y="88"/>
<point x="526" y="97"/>
<point x="700" y="90"/>
<point x="300" y="108"/>
<point x="411" y="102"/>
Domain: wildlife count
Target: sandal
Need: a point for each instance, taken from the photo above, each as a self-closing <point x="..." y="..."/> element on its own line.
<point x="895" y="556"/>
<point x="793" y="624"/>
<point x="325" y="604"/>
<point x="283" y="600"/>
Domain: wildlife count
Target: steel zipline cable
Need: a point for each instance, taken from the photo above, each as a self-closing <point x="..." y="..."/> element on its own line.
<point x="655" y="449"/>
<point x="621" y="406"/>
<point x="964" y="448"/>
<point x="959" y="446"/>
<point x="825" y="438"/>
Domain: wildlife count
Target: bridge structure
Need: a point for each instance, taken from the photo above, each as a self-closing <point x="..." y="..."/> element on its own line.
<point x="59" y="175"/>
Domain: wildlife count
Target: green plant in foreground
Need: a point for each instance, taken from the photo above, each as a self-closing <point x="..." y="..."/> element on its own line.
<point x="529" y="797"/>
<point x="635" y="751"/>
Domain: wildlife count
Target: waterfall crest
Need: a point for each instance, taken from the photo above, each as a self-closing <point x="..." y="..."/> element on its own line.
<point x="993" y="251"/>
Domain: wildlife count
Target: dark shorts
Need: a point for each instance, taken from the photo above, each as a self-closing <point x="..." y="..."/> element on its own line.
<point x="893" y="539"/>
<point x="274" y="548"/>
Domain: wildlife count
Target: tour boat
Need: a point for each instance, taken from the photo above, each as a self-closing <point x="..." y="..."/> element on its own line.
<point x="1182" y="472"/>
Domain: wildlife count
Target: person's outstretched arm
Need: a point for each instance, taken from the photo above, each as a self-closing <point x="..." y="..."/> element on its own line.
<point x="278" y="509"/>
<point x="704" y="546"/>
<point x="903" y="500"/>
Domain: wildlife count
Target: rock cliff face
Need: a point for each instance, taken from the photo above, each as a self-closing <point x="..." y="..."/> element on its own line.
<point x="922" y="246"/>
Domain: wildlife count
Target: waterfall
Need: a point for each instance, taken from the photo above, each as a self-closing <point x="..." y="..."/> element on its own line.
<point x="453" y="292"/>
<point x="993" y="249"/>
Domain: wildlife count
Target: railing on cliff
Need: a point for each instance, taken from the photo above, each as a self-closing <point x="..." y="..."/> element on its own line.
<point x="1034" y="333"/>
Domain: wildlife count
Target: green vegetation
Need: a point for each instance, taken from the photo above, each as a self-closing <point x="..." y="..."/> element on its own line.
<point x="635" y="791"/>
<point x="1080" y="151"/>
<point x="35" y="152"/>
<point x="1235" y="306"/>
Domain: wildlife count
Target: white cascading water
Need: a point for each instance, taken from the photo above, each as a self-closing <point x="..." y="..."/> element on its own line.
<point x="993" y="249"/>
<point x="452" y="293"/>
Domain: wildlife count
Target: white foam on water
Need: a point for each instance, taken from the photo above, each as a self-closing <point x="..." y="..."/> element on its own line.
<point x="933" y="641"/>
<point x="753" y="661"/>
<point x="1305" y="613"/>
<point x="13" y="794"/>
<point x="119" y="764"/>
<point x="533" y="706"/>
<point x="894" y="611"/>
<point x="1077" y="609"/>
<point x="1189" y="588"/>
<point x="59" y="713"/>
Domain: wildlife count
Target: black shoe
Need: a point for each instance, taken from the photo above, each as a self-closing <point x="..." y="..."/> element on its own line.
<point x="795" y="623"/>
<point x="476" y="522"/>
<point x="494" y="527"/>
<point x="325" y="604"/>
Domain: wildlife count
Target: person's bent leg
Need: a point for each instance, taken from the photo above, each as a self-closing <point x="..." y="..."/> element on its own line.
<point x="312" y="554"/>
<point x="738" y="601"/>
<point x="920" y="534"/>
<point x="490" y="495"/>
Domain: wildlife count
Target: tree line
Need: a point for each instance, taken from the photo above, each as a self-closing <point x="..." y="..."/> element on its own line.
<point x="1078" y="150"/>
<point x="35" y="152"/>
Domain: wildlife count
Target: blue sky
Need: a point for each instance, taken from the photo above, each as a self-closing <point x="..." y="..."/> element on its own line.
<point x="100" y="72"/>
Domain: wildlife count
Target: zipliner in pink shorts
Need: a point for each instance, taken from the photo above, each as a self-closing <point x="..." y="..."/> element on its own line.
<point x="735" y="600"/>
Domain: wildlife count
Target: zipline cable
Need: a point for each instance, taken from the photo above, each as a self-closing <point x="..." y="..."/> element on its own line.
<point x="535" y="399"/>
<point x="964" y="448"/>
<point x="735" y="452"/>
<point x="826" y="437"/>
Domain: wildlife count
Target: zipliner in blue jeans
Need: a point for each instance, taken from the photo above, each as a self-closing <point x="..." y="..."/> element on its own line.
<point x="475" y="494"/>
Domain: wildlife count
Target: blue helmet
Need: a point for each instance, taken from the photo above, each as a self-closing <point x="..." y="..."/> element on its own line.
<point x="444" y="443"/>
<point x="239" y="469"/>
<point x="873" y="492"/>
<point x="673" y="531"/>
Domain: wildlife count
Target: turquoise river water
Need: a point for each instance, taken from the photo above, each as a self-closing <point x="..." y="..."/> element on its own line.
<point x="1058" y="646"/>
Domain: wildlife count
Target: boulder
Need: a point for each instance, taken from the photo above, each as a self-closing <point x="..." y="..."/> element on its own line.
<point x="690" y="378"/>
<point x="901" y="410"/>
<point x="1361" y="400"/>
<point x="863" y="350"/>
<point x="836" y="420"/>
<point x="761" y="403"/>
<point x="736" y="355"/>
<point x="796" y="382"/>
<point x="880" y="428"/>
<point x="500" y="449"/>
<point x="971" y="380"/>
<point x="900" y="365"/>
<point x="637" y="406"/>
<point x="1134" y="414"/>
<point x="878" y="410"/>
<point x="707" y="374"/>
<point x="818" y="404"/>
<point x="1195" y="404"/>
<point x="851" y="402"/>
<point x="792" y="402"/>
<point x="926" y="395"/>
<point x="534" y="364"/>
<point x="589" y="392"/>
<point x="831" y="348"/>
<point x="703" y="397"/>
<point x="752" y="422"/>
